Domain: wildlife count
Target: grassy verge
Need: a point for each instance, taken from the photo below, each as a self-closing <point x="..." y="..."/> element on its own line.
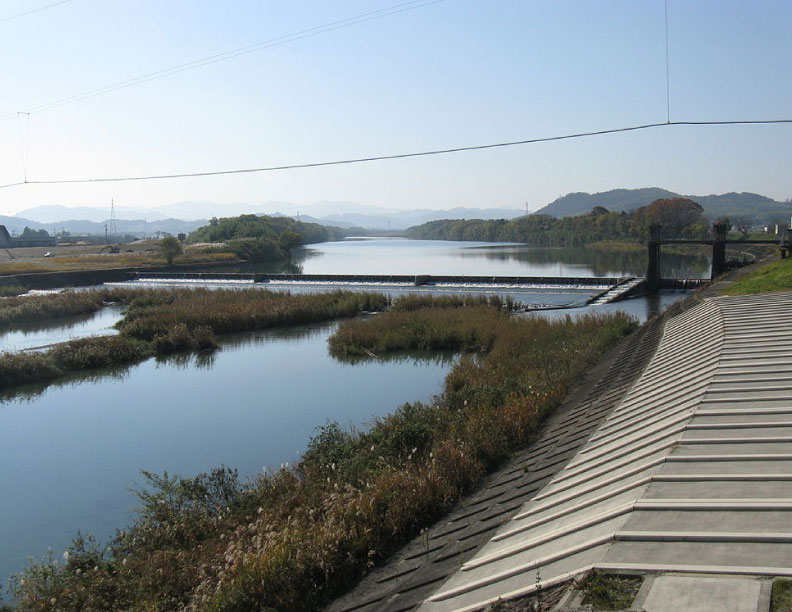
<point x="292" y="539"/>
<point x="775" y="276"/>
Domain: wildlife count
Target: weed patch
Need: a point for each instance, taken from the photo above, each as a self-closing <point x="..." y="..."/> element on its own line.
<point x="610" y="591"/>
<point x="781" y="600"/>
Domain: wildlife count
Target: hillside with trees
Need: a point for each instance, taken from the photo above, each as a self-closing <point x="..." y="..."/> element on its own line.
<point x="263" y="238"/>
<point x="756" y="208"/>
<point x="676" y="215"/>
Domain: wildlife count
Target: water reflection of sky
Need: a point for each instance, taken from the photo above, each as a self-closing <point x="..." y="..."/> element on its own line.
<point x="71" y="450"/>
<point x="62" y="329"/>
<point x="439" y="257"/>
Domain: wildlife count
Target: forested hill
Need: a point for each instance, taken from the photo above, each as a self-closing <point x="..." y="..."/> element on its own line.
<point x="759" y="208"/>
<point x="254" y="226"/>
<point x="263" y="238"/>
<point x="676" y="215"/>
<point x="617" y="200"/>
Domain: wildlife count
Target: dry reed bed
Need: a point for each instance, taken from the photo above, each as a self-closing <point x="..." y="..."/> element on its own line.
<point x="293" y="539"/>
<point x="159" y="322"/>
<point x="104" y="262"/>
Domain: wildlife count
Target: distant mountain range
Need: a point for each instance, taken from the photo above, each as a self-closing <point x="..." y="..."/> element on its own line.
<point x="188" y="216"/>
<point x="137" y="227"/>
<point x="759" y="208"/>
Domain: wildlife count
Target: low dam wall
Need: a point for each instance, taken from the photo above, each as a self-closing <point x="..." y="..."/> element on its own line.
<point x="416" y="280"/>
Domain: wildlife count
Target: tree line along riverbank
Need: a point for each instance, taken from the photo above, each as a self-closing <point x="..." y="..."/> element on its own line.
<point x="294" y="538"/>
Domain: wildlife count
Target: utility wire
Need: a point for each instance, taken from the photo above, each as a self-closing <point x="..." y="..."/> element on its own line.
<point x="212" y="59"/>
<point x="360" y="160"/>
<point x="41" y="8"/>
<point x="668" y="72"/>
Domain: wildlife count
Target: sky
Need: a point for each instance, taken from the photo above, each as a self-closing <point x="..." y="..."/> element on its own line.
<point x="434" y="75"/>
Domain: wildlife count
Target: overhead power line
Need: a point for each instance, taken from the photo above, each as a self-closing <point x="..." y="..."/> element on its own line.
<point x="220" y="57"/>
<point x="36" y="10"/>
<point x="360" y="160"/>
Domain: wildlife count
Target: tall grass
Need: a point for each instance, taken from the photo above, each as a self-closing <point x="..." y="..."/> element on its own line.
<point x="161" y="322"/>
<point x="294" y="538"/>
<point x="224" y="312"/>
<point x="16" y="311"/>
<point x="11" y="290"/>
<point x="68" y="357"/>
<point x="105" y="262"/>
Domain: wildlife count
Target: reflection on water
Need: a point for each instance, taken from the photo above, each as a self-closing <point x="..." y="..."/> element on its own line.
<point x="440" y="257"/>
<point x="35" y="334"/>
<point x="596" y="262"/>
<point x="414" y="358"/>
<point x="204" y="360"/>
<point x="72" y="449"/>
<point x="30" y="392"/>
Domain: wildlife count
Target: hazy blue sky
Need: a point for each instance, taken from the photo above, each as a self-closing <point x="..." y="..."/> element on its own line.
<point x="452" y="73"/>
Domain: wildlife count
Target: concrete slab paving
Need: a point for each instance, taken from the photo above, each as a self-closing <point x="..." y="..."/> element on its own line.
<point x="691" y="471"/>
<point x="698" y="594"/>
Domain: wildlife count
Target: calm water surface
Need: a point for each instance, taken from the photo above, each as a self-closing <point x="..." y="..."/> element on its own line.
<point x="35" y="335"/>
<point x="441" y="257"/>
<point x="70" y="452"/>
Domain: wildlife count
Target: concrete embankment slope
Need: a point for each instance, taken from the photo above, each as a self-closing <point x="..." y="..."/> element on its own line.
<point x="691" y="472"/>
<point x="423" y="565"/>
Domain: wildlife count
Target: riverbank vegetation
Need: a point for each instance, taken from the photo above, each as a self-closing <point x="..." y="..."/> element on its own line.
<point x="676" y="216"/>
<point x="161" y="322"/>
<point x="775" y="276"/>
<point x="15" y="311"/>
<point x="295" y="537"/>
<point x="263" y="238"/>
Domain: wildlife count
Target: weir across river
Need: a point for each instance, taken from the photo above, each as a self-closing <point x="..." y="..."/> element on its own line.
<point x="610" y="289"/>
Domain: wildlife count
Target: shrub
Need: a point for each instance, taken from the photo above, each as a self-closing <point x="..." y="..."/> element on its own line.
<point x="169" y="248"/>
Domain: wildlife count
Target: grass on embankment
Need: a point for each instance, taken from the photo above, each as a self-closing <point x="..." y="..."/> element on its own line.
<point x="775" y="276"/>
<point x="293" y="539"/>
<point x="159" y="322"/>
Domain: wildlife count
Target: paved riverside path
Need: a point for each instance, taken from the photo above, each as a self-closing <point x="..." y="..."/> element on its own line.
<point x="692" y="471"/>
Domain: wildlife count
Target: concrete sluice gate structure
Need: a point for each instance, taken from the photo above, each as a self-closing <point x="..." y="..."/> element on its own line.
<point x="691" y="472"/>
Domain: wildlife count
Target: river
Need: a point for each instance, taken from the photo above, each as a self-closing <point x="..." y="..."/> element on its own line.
<point x="72" y="451"/>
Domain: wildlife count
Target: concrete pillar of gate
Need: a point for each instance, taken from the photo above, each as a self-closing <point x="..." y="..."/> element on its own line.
<point x="653" y="267"/>
<point x="718" y="249"/>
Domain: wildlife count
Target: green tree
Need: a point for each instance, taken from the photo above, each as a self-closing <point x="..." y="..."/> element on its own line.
<point x="289" y="239"/>
<point x="169" y="248"/>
